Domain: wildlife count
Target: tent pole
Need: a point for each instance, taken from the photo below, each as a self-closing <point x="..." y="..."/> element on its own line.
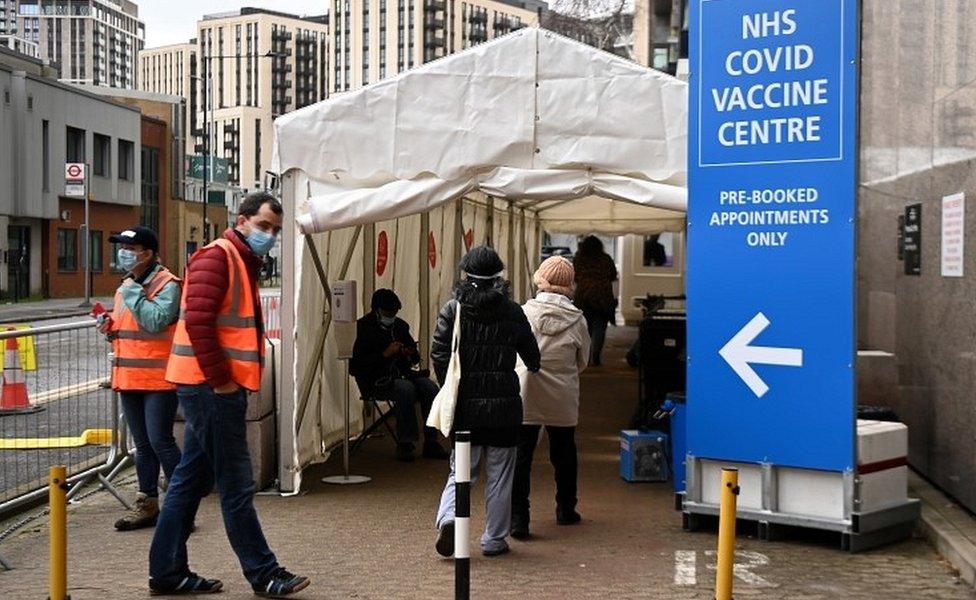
<point x="510" y="258"/>
<point x="458" y="237"/>
<point x="490" y="226"/>
<point x="369" y="265"/>
<point x="308" y="378"/>
<point x="287" y="430"/>
<point x="424" y="264"/>
<point x="527" y="284"/>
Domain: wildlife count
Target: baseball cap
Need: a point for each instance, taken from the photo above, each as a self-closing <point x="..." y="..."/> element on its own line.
<point x="142" y="236"/>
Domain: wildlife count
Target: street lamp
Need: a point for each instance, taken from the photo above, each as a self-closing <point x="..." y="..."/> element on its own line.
<point x="207" y="80"/>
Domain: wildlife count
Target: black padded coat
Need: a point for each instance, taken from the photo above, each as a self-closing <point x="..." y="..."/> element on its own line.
<point x="494" y="331"/>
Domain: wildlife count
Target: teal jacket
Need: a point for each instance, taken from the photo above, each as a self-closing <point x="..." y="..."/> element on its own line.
<point x="152" y="315"/>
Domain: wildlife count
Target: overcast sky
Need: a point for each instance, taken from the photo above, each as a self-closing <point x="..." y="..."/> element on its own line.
<point x="174" y="21"/>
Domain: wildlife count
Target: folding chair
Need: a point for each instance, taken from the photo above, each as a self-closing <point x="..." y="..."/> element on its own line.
<point x="381" y="418"/>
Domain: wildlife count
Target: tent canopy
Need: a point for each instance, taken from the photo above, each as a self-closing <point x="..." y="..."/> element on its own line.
<point x="531" y="117"/>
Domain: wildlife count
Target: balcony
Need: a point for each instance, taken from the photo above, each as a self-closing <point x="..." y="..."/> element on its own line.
<point x="479" y="18"/>
<point x="435" y="5"/>
<point x="434" y="42"/>
<point x="432" y="22"/>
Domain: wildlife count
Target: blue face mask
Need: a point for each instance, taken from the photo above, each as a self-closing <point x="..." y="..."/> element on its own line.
<point x="387" y="321"/>
<point x="260" y="242"/>
<point x="127" y="259"/>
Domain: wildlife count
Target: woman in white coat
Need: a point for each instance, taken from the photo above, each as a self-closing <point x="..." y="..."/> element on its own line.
<point x="550" y="397"/>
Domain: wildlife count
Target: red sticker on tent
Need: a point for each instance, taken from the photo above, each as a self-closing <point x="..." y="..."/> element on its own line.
<point x="432" y="250"/>
<point x="469" y="239"/>
<point x="382" y="253"/>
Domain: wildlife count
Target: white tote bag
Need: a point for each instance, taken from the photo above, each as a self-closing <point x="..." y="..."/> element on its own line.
<point x="441" y="415"/>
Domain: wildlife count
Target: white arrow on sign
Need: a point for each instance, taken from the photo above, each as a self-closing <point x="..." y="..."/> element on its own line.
<point x="741" y="355"/>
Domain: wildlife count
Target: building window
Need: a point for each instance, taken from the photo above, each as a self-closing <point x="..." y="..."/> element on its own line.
<point x="126" y="165"/>
<point x="103" y="155"/>
<point x="45" y="156"/>
<point x="257" y="151"/>
<point x="75" y="145"/>
<point x="149" y="216"/>
<point x="150" y="188"/>
<point x="67" y="250"/>
<point x="95" y="251"/>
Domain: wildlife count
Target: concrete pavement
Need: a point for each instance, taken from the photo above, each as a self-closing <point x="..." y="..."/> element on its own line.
<point x="376" y="540"/>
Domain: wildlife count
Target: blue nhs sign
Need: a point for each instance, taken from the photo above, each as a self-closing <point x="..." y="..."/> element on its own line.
<point x="772" y="151"/>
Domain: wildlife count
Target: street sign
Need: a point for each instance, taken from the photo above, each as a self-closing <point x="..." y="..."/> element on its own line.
<point x="772" y="157"/>
<point x="74" y="171"/>
<point x="74" y="180"/>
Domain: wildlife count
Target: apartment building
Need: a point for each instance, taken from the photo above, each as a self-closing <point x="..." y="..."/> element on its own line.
<point x="259" y="64"/>
<point x="660" y="37"/>
<point x="174" y="70"/>
<point x="94" y="42"/>
<point x="374" y="39"/>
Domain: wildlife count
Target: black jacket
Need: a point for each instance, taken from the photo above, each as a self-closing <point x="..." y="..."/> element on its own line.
<point x="368" y="363"/>
<point x="493" y="331"/>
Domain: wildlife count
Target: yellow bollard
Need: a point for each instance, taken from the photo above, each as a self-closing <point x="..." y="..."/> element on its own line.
<point x="726" y="534"/>
<point x="57" y="497"/>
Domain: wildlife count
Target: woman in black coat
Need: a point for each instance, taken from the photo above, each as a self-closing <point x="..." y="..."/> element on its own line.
<point x="494" y="332"/>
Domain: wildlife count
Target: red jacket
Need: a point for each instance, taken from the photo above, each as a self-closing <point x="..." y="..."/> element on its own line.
<point x="207" y="280"/>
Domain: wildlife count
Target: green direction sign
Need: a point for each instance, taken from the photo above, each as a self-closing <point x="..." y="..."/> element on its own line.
<point x="217" y="172"/>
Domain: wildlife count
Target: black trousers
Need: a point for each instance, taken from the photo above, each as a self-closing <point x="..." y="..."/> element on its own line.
<point x="562" y="455"/>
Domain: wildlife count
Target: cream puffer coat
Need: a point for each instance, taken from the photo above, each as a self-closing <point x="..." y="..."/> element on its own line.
<point x="551" y="396"/>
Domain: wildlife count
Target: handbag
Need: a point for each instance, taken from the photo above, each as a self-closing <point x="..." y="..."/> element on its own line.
<point x="441" y="415"/>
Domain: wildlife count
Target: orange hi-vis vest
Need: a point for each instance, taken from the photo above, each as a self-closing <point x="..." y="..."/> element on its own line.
<point x="141" y="356"/>
<point x="236" y="330"/>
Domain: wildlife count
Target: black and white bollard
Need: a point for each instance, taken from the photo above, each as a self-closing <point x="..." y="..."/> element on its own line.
<point x="462" y="515"/>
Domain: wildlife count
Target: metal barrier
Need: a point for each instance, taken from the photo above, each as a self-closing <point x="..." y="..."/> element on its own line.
<point x="57" y="409"/>
<point x="271" y="310"/>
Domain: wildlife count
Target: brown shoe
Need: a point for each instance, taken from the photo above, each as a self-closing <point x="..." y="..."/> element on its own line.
<point x="143" y="514"/>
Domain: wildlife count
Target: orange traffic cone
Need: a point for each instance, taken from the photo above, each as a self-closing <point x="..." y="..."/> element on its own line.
<point x="14" y="399"/>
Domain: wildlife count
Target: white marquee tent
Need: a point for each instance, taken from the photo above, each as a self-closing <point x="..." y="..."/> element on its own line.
<point x="529" y="133"/>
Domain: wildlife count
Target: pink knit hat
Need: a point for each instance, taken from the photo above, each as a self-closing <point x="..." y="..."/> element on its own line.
<point x="555" y="275"/>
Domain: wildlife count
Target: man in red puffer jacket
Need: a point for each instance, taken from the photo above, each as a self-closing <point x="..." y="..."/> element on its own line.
<point x="217" y="356"/>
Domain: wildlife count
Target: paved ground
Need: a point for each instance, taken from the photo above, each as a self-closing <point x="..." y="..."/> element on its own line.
<point x="376" y="541"/>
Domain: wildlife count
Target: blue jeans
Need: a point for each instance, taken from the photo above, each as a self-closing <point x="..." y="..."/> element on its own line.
<point x="407" y="393"/>
<point x="214" y="450"/>
<point x="150" y="417"/>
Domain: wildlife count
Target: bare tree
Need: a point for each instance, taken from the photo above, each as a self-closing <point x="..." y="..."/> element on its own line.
<point x="598" y="23"/>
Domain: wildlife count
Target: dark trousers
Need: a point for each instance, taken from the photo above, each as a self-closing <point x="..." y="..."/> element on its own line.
<point x="407" y="394"/>
<point x="214" y="451"/>
<point x="562" y="455"/>
<point x="150" y="417"/>
<point x="596" y="326"/>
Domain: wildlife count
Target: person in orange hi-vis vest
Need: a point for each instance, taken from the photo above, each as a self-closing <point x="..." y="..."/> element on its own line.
<point x="217" y="356"/>
<point x="141" y="329"/>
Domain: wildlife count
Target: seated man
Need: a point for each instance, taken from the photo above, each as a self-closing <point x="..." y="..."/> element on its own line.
<point x="383" y="360"/>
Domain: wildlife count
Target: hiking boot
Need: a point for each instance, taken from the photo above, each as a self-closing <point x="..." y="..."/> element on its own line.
<point x="445" y="540"/>
<point x="192" y="584"/>
<point x="404" y="452"/>
<point x="142" y="514"/>
<point x="567" y="516"/>
<point x="281" y="584"/>
<point x="433" y="450"/>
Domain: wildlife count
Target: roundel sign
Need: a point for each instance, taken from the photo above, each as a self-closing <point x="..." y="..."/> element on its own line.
<point x="74" y="171"/>
<point x="432" y="250"/>
<point x="382" y="252"/>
